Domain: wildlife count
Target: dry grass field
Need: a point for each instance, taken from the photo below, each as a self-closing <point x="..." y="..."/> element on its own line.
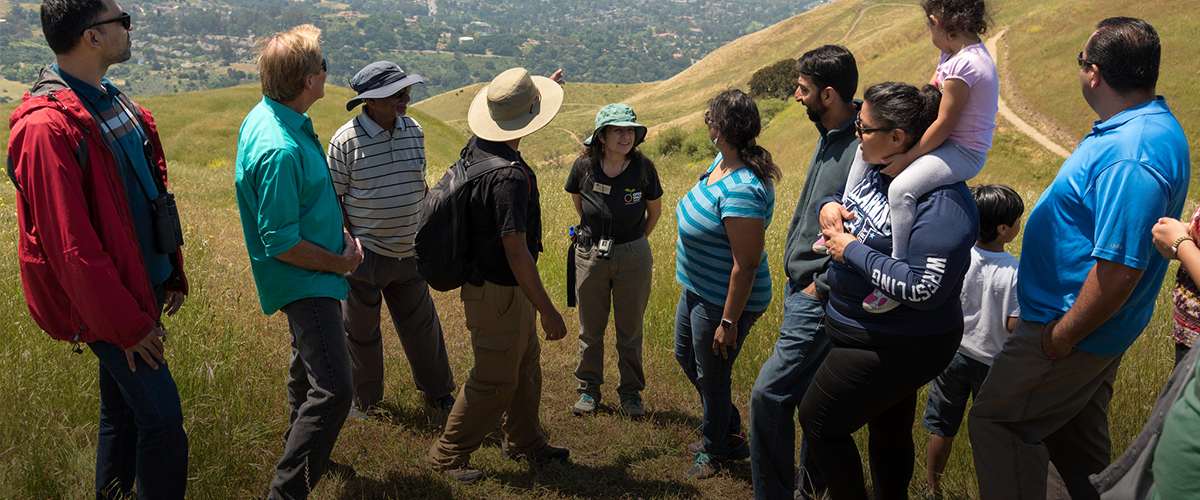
<point x="229" y="360"/>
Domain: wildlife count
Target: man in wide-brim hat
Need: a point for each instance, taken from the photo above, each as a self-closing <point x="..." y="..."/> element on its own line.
<point x="377" y="164"/>
<point x="503" y="300"/>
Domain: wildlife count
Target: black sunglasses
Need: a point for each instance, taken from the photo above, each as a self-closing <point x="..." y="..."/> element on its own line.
<point x="707" y="117"/>
<point x="324" y="65"/>
<point x="864" y="131"/>
<point x="125" y="20"/>
<point x="1083" y="61"/>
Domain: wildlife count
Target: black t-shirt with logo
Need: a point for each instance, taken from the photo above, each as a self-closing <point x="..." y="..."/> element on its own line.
<point x="615" y="207"/>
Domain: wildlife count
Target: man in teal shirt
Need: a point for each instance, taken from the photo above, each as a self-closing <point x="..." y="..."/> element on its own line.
<point x="298" y="252"/>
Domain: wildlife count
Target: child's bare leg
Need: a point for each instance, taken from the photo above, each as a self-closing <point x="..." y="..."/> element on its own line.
<point x="935" y="462"/>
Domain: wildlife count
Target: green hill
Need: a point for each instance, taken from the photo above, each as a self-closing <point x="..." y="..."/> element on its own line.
<point x="229" y="360"/>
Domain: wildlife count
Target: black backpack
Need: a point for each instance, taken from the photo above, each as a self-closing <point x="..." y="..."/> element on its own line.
<point x="443" y="234"/>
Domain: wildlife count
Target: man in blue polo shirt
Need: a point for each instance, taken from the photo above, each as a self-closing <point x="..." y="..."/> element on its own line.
<point x="1089" y="276"/>
<point x="298" y="253"/>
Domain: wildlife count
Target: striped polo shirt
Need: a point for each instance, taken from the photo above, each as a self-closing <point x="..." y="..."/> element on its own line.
<point x="704" y="258"/>
<point x="380" y="176"/>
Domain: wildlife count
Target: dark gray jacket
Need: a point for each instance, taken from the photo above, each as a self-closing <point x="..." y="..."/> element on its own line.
<point x="826" y="175"/>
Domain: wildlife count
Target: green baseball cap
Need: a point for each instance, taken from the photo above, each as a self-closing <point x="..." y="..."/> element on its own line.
<point x="618" y="115"/>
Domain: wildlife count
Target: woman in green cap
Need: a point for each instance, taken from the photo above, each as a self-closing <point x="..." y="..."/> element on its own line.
<point x="617" y="195"/>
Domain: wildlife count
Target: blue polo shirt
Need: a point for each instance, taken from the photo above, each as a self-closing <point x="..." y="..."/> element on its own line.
<point x="285" y="195"/>
<point x="1128" y="172"/>
<point x="125" y="138"/>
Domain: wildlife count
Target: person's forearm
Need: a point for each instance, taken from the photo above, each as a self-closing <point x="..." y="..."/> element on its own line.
<point x="741" y="281"/>
<point x="1107" y="287"/>
<point x="525" y="271"/>
<point x="651" y="221"/>
<point x="307" y="255"/>
<point x="1189" y="257"/>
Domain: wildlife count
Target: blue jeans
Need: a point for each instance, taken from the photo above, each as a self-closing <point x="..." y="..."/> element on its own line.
<point x="696" y="323"/>
<point x="948" y="394"/>
<point x="141" y="428"/>
<point x="781" y="384"/>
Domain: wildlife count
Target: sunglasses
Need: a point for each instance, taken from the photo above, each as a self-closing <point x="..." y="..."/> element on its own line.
<point x="707" y="117"/>
<point x="864" y="131"/>
<point x="125" y="20"/>
<point x="1083" y="61"/>
<point x="403" y="93"/>
<point x="324" y="65"/>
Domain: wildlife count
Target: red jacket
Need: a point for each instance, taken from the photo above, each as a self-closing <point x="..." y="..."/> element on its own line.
<point x="81" y="267"/>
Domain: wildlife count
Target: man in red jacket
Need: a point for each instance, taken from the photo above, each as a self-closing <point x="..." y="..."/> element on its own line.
<point x="99" y="238"/>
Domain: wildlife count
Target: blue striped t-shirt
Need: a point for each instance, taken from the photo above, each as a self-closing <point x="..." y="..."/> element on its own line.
<point x="704" y="259"/>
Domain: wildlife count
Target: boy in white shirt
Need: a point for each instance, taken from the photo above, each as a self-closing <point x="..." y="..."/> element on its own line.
<point x="990" y="311"/>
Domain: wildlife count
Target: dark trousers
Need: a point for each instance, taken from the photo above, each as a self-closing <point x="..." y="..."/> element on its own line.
<point x="141" y="428"/>
<point x="319" y="394"/>
<point x="382" y="279"/>
<point x="870" y="379"/>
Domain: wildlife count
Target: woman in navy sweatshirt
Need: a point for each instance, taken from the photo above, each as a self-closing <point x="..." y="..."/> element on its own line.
<point x="879" y="361"/>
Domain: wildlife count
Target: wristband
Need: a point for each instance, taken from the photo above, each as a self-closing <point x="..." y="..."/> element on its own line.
<point x="1175" y="246"/>
<point x="726" y="324"/>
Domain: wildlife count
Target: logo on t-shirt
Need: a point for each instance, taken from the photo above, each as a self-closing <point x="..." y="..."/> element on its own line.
<point x="632" y="196"/>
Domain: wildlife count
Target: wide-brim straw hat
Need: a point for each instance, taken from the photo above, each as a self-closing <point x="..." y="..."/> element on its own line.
<point x="514" y="105"/>
<point x="617" y="115"/>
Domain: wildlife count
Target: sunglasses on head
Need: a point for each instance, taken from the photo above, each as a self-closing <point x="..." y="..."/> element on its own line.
<point x="864" y="131"/>
<point x="125" y="20"/>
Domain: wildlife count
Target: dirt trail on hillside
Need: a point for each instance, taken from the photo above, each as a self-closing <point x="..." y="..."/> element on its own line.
<point x="1008" y="114"/>
<point x="863" y="11"/>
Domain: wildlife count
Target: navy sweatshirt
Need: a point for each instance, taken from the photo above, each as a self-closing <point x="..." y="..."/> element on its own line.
<point x="928" y="285"/>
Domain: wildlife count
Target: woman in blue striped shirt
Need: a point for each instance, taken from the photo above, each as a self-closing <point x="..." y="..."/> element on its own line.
<point x="723" y="269"/>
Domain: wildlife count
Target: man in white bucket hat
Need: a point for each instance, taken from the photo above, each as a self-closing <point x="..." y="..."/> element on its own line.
<point x="506" y="237"/>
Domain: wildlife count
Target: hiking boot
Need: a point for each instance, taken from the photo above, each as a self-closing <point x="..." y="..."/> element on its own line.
<point x="703" y="466"/>
<point x="878" y="303"/>
<point x="463" y="474"/>
<point x="633" y="407"/>
<point x="546" y="453"/>
<point x="585" y="406"/>
<point x="444" y="403"/>
<point x="819" y="247"/>
<point x="739" y="448"/>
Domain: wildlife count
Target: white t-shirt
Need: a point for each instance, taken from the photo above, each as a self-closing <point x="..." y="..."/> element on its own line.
<point x="989" y="298"/>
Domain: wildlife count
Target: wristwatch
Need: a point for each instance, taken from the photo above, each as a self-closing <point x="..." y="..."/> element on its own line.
<point x="726" y="324"/>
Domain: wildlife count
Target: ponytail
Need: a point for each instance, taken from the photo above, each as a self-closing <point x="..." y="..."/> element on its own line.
<point x="736" y="116"/>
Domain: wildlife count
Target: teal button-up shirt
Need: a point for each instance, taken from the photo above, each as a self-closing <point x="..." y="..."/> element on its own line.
<point x="285" y="195"/>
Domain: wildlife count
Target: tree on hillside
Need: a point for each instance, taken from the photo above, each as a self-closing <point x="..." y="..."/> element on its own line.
<point x="777" y="80"/>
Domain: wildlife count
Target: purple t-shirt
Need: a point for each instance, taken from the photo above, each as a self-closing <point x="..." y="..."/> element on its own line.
<point x="974" y="66"/>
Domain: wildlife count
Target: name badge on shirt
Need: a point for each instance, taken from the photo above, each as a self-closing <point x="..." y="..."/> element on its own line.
<point x="601" y="188"/>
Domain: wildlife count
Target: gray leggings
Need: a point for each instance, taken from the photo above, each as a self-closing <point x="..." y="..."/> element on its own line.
<point x="948" y="164"/>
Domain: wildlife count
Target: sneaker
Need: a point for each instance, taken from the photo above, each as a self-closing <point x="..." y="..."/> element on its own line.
<point x="464" y="474"/>
<point x="633" y="407"/>
<point x="341" y="471"/>
<point x="819" y="246"/>
<point x="546" y="453"/>
<point x="703" y="466"/>
<point x="878" y="303"/>
<point x="444" y="403"/>
<point x="585" y="406"/>
<point x="739" y="448"/>
<point x="357" y="414"/>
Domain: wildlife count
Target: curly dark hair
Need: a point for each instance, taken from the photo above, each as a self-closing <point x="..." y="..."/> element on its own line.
<point x="955" y="16"/>
<point x="735" y="115"/>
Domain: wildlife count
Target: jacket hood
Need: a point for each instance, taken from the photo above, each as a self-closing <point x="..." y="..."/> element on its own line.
<point x="47" y="92"/>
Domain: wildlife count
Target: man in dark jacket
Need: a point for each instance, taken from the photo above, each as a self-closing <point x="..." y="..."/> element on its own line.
<point x="828" y="79"/>
<point x="90" y="174"/>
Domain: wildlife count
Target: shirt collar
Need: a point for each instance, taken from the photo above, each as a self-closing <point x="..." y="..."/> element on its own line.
<point x="289" y="117"/>
<point x="373" y="129"/>
<point x="85" y="90"/>
<point x="846" y="128"/>
<point x="1156" y="106"/>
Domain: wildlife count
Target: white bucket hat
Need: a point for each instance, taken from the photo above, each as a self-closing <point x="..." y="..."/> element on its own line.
<point x="514" y="105"/>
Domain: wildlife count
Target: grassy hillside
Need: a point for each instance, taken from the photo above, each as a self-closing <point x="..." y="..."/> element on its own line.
<point x="229" y="360"/>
